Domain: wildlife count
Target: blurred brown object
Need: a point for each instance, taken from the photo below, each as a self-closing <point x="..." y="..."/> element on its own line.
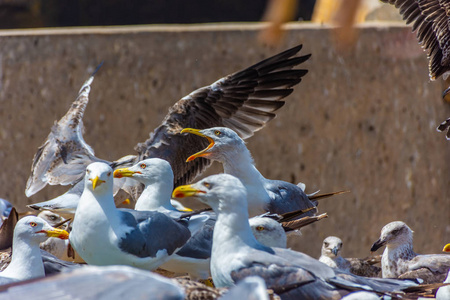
<point x="277" y="13"/>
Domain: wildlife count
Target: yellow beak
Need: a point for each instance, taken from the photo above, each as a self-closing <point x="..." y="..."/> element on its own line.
<point x="55" y="232"/>
<point x="124" y="172"/>
<point x="184" y="191"/>
<point x="96" y="182"/>
<point x="203" y="152"/>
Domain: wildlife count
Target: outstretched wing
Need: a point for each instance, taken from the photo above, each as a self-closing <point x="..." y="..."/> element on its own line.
<point x="244" y="101"/>
<point x="431" y="21"/>
<point x="64" y="156"/>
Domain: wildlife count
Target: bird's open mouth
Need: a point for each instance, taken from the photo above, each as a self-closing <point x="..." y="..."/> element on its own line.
<point x="204" y="152"/>
<point x="184" y="191"/>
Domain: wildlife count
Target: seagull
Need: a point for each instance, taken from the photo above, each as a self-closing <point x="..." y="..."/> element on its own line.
<point x="54" y="245"/>
<point x="263" y="195"/>
<point x="400" y="261"/>
<point x="443" y="293"/>
<point x="236" y="254"/>
<point x="157" y="177"/>
<point x="105" y="235"/>
<point x="330" y="256"/>
<point x="26" y="262"/>
<point x="244" y="101"/>
<point x="331" y="247"/>
<point x="430" y="21"/>
<point x="268" y="232"/>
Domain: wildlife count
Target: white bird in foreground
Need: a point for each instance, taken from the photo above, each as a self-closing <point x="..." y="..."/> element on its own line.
<point x="400" y="261"/>
<point x="105" y="235"/>
<point x="263" y="195"/>
<point x="26" y="262"/>
<point x="236" y="253"/>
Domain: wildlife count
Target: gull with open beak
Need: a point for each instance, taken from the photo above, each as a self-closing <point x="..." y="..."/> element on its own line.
<point x="26" y="262"/>
<point x="263" y="195"/>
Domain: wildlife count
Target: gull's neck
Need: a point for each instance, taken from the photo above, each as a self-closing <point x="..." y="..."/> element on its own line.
<point x="232" y="230"/>
<point x="96" y="210"/>
<point x="239" y="163"/>
<point x="156" y="196"/>
<point x="26" y="261"/>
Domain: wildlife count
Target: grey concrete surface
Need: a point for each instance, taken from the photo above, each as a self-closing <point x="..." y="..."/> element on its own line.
<point x="363" y="119"/>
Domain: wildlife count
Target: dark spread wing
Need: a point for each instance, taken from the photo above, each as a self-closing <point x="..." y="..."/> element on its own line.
<point x="153" y="231"/>
<point x="244" y="101"/>
<point x="431" y="21"/>
<point x="287" y="197"/>
<point x="64" y="156"/>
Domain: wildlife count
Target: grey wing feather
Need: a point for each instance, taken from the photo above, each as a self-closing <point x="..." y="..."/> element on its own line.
<point x="64" y="156"/>
<point x="431" y="22"/>
<point x="437" y="263"/>
<point x="54" y="265"/>
<point x="287" y="197"/>
<point x="244" y="101"/>
<point x="200" y="244"/>
<point x="150" y="233"/>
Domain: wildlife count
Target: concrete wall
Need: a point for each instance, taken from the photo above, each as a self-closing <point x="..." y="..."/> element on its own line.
<point x="362" y="120"/>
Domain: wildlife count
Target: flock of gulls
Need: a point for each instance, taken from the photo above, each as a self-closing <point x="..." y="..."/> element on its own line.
<point x="82" y="246"/>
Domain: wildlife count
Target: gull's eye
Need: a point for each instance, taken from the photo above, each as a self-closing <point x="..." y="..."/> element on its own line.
<point x="217" y="132"/>
<point x="143" y="166"/>
<point x="206" y="184"/>
<point x="33" y="224"/>
<point x="260" y="228"/>
<point x="52" y="218"/>
<point x="326" y="244"/>
<point x="88" y="171"/>
<point x="109" y="174"/>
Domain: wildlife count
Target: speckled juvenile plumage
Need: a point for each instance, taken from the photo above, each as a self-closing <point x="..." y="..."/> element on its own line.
<point x="400" y="260"/>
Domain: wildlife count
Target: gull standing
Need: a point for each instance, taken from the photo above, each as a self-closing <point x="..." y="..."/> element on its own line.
<point x="105" y="235"/>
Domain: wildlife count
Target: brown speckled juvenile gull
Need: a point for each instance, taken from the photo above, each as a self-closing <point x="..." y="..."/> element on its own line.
<point x="244" y="101"/>
<point x="400" y="261"/>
